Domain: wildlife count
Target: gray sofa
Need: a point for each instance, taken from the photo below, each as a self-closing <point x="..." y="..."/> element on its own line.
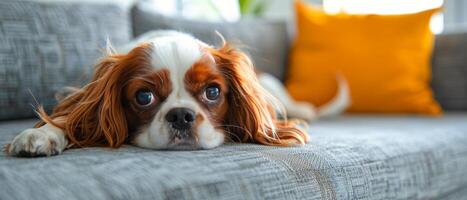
<point x="349" y="157"/>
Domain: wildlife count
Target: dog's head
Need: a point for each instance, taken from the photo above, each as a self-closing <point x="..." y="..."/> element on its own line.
<point x="175" y="92"/>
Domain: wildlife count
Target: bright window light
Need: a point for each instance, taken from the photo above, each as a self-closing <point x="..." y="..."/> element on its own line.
<point x="211" y="10"/>
<point x="386" y="7"/>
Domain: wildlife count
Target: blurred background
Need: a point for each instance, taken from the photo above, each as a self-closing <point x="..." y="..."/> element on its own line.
<point x="453" y="18"/>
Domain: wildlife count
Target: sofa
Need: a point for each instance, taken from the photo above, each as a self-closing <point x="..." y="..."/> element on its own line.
<point x="353" y="156"/>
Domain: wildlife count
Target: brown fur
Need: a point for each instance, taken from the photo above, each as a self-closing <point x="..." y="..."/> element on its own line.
<point x="158" y="82"/>
<point x="95" y="115"/>
<point x="202" y="74"/>
<point x="102" y="112"/>
<point x="250" y="115"/>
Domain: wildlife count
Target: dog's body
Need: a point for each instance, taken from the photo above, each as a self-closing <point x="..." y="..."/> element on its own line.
<point x="168" y="90"/>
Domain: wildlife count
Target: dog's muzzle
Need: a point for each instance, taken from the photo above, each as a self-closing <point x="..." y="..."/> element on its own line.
<point x="181" y="122"/>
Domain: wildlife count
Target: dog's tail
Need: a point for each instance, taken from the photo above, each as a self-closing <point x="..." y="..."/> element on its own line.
<point x="339" y="103"/>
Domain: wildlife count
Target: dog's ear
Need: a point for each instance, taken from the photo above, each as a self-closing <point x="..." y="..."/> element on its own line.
<point x="94" y="115"/>
<point x="252" y="110"/>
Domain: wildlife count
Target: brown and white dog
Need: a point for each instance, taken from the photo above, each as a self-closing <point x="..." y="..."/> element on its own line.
<point x="168" y="90"/>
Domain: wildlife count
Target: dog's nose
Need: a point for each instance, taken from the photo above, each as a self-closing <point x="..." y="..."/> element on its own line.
<point x="180" y="118"/>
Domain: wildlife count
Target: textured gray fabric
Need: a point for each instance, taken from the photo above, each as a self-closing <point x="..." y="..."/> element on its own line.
<point x="459" y="194"/>
<point x="265" y="40"/>
<point x="353" y="157"/>
<point x="450" y="71"/>
<point x="47" y="45"/>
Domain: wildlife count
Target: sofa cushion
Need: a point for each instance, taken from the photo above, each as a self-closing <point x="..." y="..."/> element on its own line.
<point x="265" y="40"/>
<point x="45" y="45"/>
<point x="450" y="71"/>
<point x="352" y="157"/>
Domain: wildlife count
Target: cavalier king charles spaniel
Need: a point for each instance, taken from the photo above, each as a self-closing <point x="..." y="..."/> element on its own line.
<point x="168" y="90"/>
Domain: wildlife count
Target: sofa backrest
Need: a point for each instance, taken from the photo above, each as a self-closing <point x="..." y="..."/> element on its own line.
<point x="265" y="40"/>
<point x="450" y="71"/>
<point x="268" y="43"/>
<point x="46" y="45"/>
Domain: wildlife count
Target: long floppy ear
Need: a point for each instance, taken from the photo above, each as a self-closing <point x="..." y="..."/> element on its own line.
<point x="94" y="115"/>
<point x="252" y="114"/>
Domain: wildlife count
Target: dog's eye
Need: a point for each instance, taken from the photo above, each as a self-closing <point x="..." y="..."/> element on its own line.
<point x="212" y="93"/>
<point x="144" y="98"/>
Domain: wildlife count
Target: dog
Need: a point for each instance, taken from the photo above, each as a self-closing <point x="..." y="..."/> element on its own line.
<point x="169" y="90"/>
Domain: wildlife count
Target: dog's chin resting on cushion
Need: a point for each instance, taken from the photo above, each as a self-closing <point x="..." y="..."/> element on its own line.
<point x="168" y="91"/>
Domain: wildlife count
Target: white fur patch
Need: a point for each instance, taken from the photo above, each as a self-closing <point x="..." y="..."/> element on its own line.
<point x="208" y="136"/>
<point x="44" y="141"/>
<point x="294" y="109"/>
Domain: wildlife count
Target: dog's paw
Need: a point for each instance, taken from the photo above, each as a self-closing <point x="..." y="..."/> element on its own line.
<point x="35" y="142"/>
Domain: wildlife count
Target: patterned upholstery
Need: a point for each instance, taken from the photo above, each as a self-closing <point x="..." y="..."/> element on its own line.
<point x="45" y="46"/>
<point x="353" y="157"/>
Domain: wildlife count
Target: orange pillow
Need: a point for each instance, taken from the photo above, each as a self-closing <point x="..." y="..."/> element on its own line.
<point x="384" y="58"/>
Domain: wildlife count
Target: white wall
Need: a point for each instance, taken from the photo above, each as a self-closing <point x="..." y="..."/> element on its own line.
<point x="282" y="9"/>
<point x="455" y="17"/>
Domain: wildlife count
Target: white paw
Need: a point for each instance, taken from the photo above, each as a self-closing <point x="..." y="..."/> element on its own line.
<point x="36" y="142"/>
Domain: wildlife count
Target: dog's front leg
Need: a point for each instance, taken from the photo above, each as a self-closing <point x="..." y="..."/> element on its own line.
<point x="46" y="140"/>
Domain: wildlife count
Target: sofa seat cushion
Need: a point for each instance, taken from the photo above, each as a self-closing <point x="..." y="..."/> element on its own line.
<point x="352" y="157"/>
